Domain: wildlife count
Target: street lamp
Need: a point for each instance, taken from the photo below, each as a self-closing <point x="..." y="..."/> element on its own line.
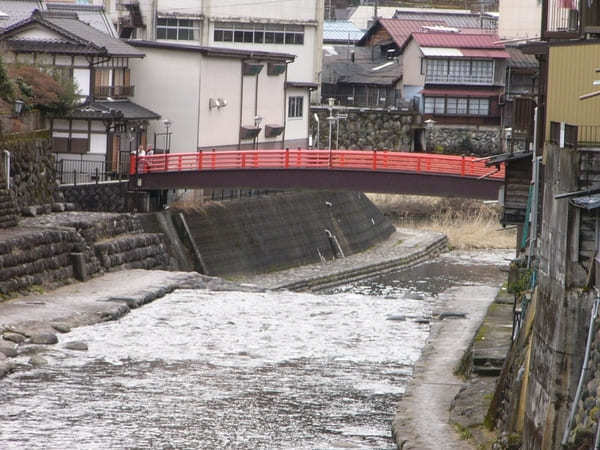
<point x="257" y="121"/>
<point x="330" y="119"/>
<point x="318" y="126"/>
<point x="167" y="123"/>
<point x="19" y="107"/>
<point x="429" y="123"/>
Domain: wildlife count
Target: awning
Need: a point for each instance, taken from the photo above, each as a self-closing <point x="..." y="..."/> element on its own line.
<point x="301" y="84"/>
<point x="110" y="110"/>
<point x="587" y="202"/>
<point x="441" y="51"/>
<point x="483" y="93"/>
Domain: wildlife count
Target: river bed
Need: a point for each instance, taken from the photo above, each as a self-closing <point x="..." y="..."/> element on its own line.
<point x="199" y="369"/>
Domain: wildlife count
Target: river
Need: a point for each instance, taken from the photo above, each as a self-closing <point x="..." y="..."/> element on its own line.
<point x="198" y="369"/>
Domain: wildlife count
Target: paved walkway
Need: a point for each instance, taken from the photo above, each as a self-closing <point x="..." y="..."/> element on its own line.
<point x="403" y="248"/>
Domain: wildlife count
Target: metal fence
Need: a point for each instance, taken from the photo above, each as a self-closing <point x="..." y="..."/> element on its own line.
<point x="81" y="170"/>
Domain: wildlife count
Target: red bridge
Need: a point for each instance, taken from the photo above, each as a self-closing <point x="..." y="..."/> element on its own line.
<point x="357" y="170"/>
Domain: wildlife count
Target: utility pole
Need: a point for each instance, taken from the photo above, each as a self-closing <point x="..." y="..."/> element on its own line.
<point x="375" y="15"/>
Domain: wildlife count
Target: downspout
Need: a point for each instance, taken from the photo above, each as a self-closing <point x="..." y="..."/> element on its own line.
<point x="284" y="104"/>
<point x="241" y="102"/>
<point x="256" y="108"/>
<point x="199" y="99"/>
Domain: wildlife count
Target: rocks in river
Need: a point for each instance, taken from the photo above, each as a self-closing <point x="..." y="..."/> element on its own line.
<point x="76" y="345"/>
<point x="43" y="339"/>
<point x="38" y="361"/>
<point x="17" y="338"/>
<point x="8" y="349"/>
<point x="61" y="327"/>
<point x="452" y="315"/>
<point x="396" y="317"/>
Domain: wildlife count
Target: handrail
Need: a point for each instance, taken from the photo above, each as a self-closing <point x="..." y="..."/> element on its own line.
<point x="379" y="161"/>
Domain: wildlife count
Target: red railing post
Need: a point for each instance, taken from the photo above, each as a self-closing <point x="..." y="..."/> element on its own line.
<point x="287" y="158"/>
<point x="243" y="160"/>
<point x="374" y="159"/>
<point x="462" y="166"/>
<point x="255" y="158"/>
<point x="200" y="160"/>
<point x="213" y="158"/>
<point x="180" y="163"/>
<point x="132" y="163"/>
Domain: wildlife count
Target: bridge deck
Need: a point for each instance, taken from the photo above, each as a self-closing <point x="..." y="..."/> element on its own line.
<point x="368" y="171"/>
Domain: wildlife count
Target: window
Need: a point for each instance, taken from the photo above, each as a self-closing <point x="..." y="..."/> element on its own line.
<point x="295" y="107"/>
<point x="482" y="70"/>
<point x="457" y="106"/>
<point x="176" y="29"/>
<point x="437" y="68"/>
<point x="462" y="71"/>
<point x="479" y="106"/>
<point x="259" y="33"/>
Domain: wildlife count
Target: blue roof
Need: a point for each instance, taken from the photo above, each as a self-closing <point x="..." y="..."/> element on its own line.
<point x="341" y="31"/>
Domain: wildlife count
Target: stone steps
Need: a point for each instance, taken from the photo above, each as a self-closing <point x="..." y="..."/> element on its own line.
<point x="8" y="210"/>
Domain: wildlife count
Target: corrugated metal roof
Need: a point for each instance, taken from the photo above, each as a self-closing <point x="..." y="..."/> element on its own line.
<point x="340" y="31"/>
<point x="399" y="30"/>
<point x="458" y="40"/>
<point x="461" y="92"/>
<point x="520" y="60"/>
<point x="452" y="18"/>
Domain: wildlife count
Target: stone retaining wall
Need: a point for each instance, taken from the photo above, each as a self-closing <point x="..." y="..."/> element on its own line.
<point x="109" y="196"/>
<point x="480" y="141"/>
<point x="368" y="130"/>
<point x="285" y="230"/>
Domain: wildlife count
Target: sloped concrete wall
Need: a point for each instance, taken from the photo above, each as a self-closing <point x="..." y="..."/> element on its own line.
<point x="284" y="230"/>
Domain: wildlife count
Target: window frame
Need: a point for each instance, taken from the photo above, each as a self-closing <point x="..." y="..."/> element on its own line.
<point x="175" y="29"/>
<point x="295" y="107"/>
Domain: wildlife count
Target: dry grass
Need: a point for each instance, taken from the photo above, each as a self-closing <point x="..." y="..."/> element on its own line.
<point x="469" y="224"/>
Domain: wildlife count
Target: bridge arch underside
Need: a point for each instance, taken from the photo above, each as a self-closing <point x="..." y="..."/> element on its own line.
<point x="353" y="180"/>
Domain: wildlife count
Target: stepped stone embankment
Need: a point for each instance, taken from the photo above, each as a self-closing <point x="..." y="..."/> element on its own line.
<point x="43" y="251"/>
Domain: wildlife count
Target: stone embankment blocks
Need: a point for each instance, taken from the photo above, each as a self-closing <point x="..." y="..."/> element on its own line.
<point x="8" y="210"/>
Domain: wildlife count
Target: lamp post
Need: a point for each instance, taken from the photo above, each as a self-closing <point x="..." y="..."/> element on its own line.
<point x="330" y="119"/>
<point x="257" y="121"/>
<point x="429" y="123"/>
<point x="19" y="107"/>
<point x="318" y="127"/>
<point x="167" y="123"/>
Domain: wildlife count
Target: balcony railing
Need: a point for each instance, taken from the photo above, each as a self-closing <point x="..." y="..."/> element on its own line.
<point x="113" y="91"/>
<point x="562" y="17"/>
<point x="483" y="80"/>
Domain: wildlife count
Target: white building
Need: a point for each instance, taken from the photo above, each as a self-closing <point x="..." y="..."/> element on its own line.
<point x="520" y="19"/>
<point x="219" y="98"/>
<point x="292" y="27"/>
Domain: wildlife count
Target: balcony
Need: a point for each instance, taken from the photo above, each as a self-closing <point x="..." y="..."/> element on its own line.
<point x="479" y="80"/>
<point x="564" y="19"/>
<point x="113" y="91"/>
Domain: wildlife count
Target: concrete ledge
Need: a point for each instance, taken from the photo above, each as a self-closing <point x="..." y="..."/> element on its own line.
<point x="430" y="250"/>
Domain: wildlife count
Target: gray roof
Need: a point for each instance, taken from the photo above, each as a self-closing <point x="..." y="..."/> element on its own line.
<point x="339" y="68"/>
<point x="89" y="39"/>
<point x="588" y="202"/>
<point x="520" y="60"/>
<point x="94" y="16"/>
<point x="18" y="10"/>
<point x="340" y="31"/>
<point x="466" y="20"/>
<point x="113" y="109"/>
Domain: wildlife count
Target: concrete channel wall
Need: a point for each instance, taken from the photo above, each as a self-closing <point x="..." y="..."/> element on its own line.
<point x="284" y="230"/>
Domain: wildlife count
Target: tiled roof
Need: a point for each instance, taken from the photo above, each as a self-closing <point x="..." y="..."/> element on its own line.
<point x="94" y="16"/>
<point x="386" y="74"/>
<point x="74" y="32"/>
<point x="340" y="31"/>
<point x="18" y="10"/>
<point x="458" y="40"/>
<point x="399" y="30"/>
<point x="113" y="109"/>
<point x="50" y="46"/>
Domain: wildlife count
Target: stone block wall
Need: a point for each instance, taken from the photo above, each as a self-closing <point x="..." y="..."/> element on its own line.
<point x="108" y="196"/>
<point x="284" y="230"/>
<point x="472" y="140"/>
<point x="368" y="129"/>
<point x="32" y="168"/>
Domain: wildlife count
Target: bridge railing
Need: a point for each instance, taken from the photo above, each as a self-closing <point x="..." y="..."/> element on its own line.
<point x="315" y="159"/>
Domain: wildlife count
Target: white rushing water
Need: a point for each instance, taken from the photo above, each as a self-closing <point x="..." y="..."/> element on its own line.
<point x="199" y="369"/>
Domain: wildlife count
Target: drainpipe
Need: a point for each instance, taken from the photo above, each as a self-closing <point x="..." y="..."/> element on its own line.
<point x="285" y="104"/>
<point x="241" y="102"/>
<point x="256" y="107"/>
<point x="7" y="165"/>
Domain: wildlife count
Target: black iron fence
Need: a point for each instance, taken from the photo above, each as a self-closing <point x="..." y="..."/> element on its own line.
<point x="82" y="170"/>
